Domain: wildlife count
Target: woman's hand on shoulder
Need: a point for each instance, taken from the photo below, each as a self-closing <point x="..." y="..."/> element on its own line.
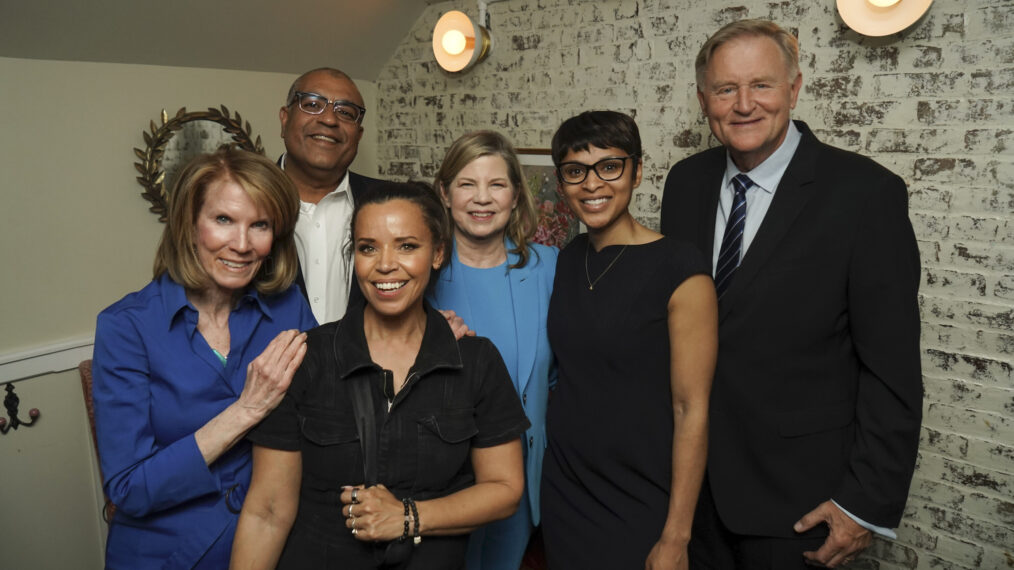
<point x="457" y="324"/>
<point x="269" y="375"/>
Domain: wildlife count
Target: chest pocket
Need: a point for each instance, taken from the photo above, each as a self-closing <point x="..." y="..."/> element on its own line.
<point x="332" y="455"/>
<point x="445" y="441"/>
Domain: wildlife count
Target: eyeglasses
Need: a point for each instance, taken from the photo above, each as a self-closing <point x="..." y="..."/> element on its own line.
<point x="607" y="169"/>
<point x="315" y="104"/>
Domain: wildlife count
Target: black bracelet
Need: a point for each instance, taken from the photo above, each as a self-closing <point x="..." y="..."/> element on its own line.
<point x="404" y="534"/>
<point x="416" y="539"/>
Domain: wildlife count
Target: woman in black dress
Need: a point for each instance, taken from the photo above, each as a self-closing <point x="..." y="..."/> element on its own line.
<point x="633" y="324"/>
<point x="395" y="440"/>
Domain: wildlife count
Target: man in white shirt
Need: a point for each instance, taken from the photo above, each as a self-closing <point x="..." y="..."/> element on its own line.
<point x="321" y="126"/>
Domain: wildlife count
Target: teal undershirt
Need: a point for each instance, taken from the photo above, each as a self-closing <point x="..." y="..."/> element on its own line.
<point x="221" y="358"/>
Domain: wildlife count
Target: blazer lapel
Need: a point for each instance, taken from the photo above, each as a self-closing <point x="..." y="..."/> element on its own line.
<point x="525" y="300"/>
<point x="793" y="192"/>
<point x="445" y="295"/>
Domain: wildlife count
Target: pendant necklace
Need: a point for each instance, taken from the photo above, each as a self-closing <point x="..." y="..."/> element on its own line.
<point x="591" y="284"/>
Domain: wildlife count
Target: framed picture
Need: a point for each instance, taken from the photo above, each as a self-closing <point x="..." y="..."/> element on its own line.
<point x="557" y="223"/>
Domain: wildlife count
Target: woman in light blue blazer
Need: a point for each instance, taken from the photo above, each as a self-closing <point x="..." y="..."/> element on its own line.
<point x="500" y="283"/>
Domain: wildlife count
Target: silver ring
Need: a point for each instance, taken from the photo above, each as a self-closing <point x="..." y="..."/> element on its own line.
<point x="355" y="530"/>
<point x="355" y="496"/>
<point x="351" y="516"/>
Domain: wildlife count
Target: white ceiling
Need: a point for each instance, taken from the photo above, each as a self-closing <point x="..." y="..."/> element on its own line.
<point x="286" y="36"/>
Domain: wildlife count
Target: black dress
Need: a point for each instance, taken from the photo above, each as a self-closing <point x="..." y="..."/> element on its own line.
<point x="607" y="473"/>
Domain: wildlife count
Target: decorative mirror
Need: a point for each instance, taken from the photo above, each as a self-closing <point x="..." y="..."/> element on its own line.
<point x="181" y="138"/>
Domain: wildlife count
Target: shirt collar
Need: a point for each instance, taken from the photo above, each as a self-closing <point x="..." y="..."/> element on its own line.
<point x="767" y="174"/>
<point x="175" y="302"/>
<point x="439" y="348"/>
<point x="343" y="185"/>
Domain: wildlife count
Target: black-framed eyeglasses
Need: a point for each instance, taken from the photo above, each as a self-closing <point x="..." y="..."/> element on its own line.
<point x="315" y="104"/>
<point x="607" y="169"/>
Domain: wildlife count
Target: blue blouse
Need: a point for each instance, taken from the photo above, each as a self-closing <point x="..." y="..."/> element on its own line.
<point x="156" y="382"/>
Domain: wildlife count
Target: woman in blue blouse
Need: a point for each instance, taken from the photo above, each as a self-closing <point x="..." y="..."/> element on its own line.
<point x="186" y="366"/>
<point x="500" y="283"/>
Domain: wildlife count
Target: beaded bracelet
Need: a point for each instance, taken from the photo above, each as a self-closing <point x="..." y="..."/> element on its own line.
<point x="404" y="534"/>
<point x="416" y="539"/>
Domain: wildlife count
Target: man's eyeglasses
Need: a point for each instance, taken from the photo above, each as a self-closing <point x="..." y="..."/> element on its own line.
<point x="315" y="104"/>
<point x="607" y="169"/>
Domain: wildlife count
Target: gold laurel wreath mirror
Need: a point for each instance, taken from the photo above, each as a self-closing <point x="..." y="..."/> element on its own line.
<point x="181" y="138"/>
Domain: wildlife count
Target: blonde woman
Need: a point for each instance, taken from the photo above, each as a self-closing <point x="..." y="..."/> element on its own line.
<point x="499" y="283"/>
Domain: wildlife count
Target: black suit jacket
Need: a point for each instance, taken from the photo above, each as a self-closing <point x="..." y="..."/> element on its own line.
<point x="818" y="390"/>
<point x="358" y="184"/>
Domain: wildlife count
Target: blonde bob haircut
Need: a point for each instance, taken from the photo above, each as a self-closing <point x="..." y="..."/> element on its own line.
<point x="786" y="42"/>
<point x="266" y="185"/>
<point x="523" y="220"/>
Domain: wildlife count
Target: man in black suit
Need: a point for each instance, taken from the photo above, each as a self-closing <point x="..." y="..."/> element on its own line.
<point x="322" y="122"/>
<point x="817" y="397"/>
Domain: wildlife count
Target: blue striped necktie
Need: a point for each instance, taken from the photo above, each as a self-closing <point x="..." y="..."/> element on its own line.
<point x="732" y="241"/>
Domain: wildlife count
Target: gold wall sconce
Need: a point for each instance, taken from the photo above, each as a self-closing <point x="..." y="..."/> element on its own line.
<point x="881" y="17"/>
<point x="460" y="42"/>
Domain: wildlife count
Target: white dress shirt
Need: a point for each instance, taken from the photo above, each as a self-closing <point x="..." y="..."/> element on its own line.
<point x="765" y="178"/>
<point x="322" y="243"/>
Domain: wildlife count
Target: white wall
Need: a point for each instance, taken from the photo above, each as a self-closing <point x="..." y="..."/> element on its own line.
<point x="76" y="235"/>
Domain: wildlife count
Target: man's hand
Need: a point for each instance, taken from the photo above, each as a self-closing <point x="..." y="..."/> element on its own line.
<point x="458" y="326"/>
<point x="847" y="538"/>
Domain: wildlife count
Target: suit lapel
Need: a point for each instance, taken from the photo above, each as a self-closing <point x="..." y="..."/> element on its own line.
<point x="711" y="181"/>
<point x="793" y="192"/>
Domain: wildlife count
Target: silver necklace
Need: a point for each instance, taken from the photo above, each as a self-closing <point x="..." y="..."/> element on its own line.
<point x="591" y="284"/>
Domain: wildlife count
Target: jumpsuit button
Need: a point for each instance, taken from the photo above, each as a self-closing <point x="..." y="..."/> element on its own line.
<point x="531" y="441"/>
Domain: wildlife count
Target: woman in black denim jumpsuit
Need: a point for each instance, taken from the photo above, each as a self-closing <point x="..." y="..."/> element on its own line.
<point x="395" y="440"/>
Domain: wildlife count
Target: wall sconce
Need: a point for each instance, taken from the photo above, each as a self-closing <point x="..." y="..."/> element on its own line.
<point x="881" y="17"/>
<point x="11" y="402"/>
<point x="458" y="42"/>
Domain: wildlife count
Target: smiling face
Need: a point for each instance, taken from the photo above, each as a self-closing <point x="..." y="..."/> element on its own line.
<point x="481" y="199"/>
<point x="321" y="147"/>
<point x="233" y="236"/>
<point x="598" y="203"/>
<point x="394" y="254"/>
<point x="747" y="97"/>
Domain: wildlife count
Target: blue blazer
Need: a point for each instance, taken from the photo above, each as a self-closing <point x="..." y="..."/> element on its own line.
<point x="531" y="287"/>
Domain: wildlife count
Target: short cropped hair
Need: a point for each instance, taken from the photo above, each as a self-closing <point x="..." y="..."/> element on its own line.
<point x="787" y="43"/>
<point x="266" y="185"/>
<point x="336" y="73"/>
<point x="602" y="129"/>
<point x="523" y="219"/>
<point x="419" y="193"/>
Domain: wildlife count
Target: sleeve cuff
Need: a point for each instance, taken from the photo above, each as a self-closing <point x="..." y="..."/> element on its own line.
<point x="885" y="532"/>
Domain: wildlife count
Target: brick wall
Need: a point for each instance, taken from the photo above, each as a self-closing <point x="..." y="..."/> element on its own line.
<point x="936" y="105"/>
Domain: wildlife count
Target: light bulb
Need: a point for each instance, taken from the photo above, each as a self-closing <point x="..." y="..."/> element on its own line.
<point x="453" y="42"/>
<point x="883" y="3"/>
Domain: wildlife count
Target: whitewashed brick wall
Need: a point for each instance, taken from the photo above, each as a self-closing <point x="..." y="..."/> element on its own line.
<point x="935" y="104"/>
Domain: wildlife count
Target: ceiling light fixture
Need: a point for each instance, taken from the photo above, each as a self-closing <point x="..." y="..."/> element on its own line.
<point x="458" y="42"/>
<point x="881" y="17"/>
